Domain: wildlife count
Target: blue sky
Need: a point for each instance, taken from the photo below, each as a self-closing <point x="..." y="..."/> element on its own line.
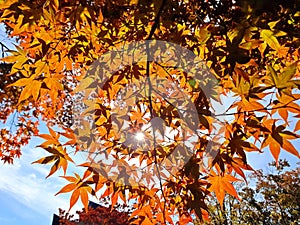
<point x="26" y="197"/>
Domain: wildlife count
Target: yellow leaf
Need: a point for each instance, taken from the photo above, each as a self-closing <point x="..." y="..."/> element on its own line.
<point x="47" y="15"/>
<point x="243" y="86"/>
<point x="273" y="75"/>
<point x="273" y="23"/>
<point x="134" y="2"/>
<point x="100" y="120"/>
<point x="287" y="74"/>
<point x="21" y="82"/>
<point x="183" y="29"/>
<point x="56" y="3"/>
<point x="19" y="57"/>
<point x="84" y="83"/>
<point x="40" y="67"/>
<point x="26" y="93"/>
<point x="202" y="34"/>
<point x="36" y="86"/>
<point x="270" y="39"/>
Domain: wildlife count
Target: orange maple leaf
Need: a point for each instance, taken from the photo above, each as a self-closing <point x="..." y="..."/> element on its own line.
<point x="221" y="184"/>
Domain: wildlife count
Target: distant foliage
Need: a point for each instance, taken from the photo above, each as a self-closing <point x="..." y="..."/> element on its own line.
<point x="273" y="197"/>
<point x="100" y="215"/>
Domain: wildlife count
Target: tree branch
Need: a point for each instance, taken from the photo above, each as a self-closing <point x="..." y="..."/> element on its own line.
<point x="156" y="20"/>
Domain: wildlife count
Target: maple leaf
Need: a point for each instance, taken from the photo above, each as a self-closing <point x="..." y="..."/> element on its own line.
<point x="18" y="57"/>
<point x="31" y="88"/>
<point x="59" y="154"/>
<point x="138" y="116"/>
<point x="60" y="157"/>
<point x="270" y="39"/>
<point x="255" y="64"/>
<point x="71" y="136"/>
<point x="80" y="187"/>
<point x="278" y="139"/>
<point x="221" y="184"/>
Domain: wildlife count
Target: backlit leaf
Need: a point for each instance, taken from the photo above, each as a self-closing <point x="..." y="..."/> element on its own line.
<point x="74" y="198"/>
<point x="221" y="184"/>
<point x="67" y="188"/>
<point x="270" y="39"/>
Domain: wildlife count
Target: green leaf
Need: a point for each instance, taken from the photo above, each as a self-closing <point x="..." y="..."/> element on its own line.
<point x="192" y="82"/>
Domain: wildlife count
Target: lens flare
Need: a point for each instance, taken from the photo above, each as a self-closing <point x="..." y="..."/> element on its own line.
<point x="140" y="136"/>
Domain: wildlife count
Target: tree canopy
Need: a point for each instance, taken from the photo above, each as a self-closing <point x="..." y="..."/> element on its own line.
<point x="66" y="70"/>
<point x="96" y="214"/>
<point x="272" y="198"/>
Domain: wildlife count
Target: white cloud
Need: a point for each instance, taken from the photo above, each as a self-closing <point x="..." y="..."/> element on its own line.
<point x="26" y="183"/>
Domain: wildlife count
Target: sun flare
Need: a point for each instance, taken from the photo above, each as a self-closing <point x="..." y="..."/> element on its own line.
<point x="140" y="136"/>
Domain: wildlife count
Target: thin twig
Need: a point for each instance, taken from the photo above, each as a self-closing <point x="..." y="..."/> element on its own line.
<point x="153" y="28"/>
